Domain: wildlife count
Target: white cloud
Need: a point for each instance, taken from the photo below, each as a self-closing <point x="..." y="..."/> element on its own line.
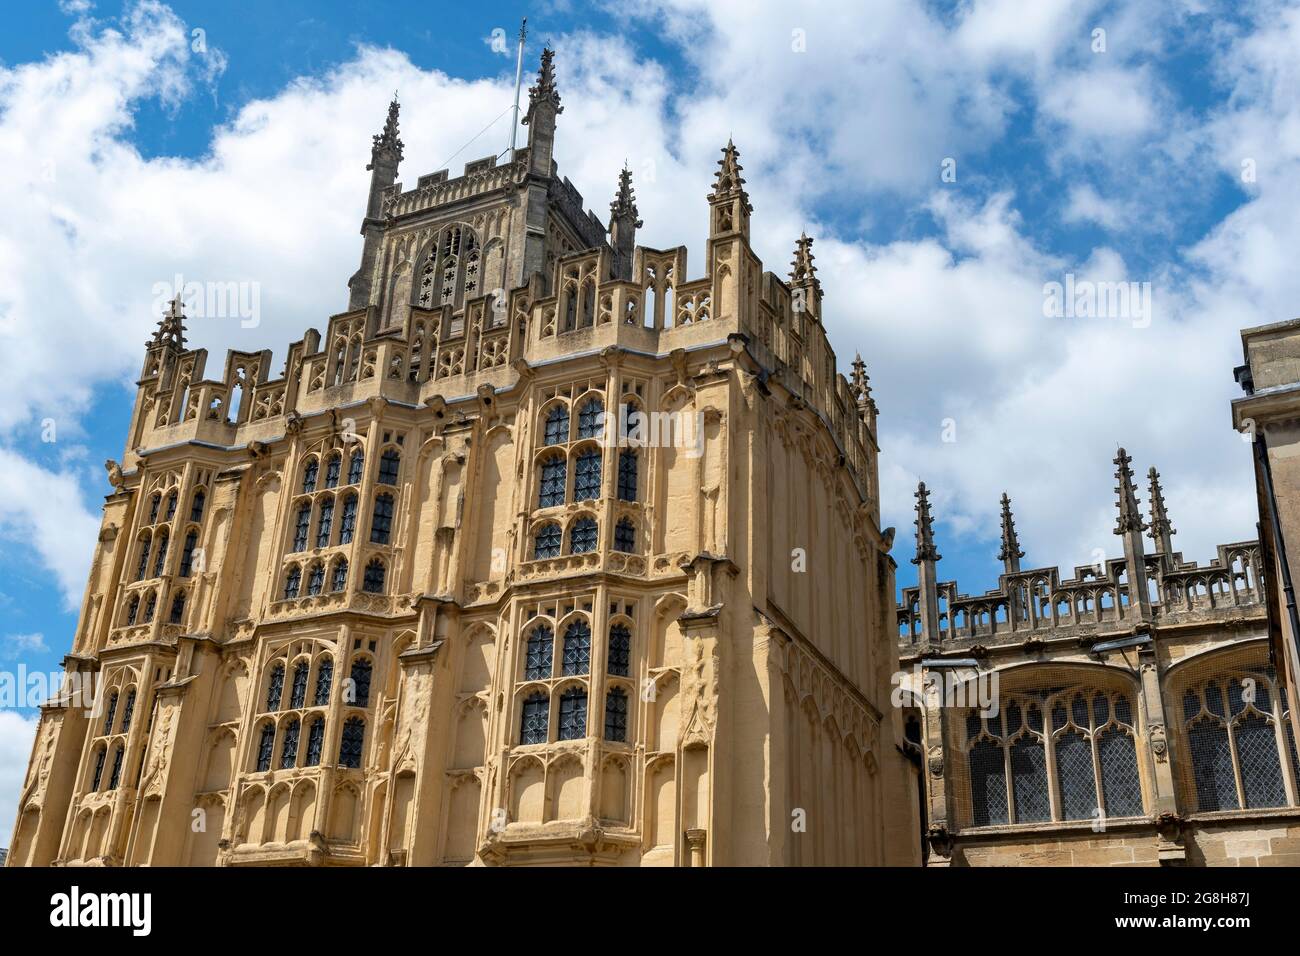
<point x="1085" y="205"/>
<point x="17" y="645"/>
<point x="16" y="736"/>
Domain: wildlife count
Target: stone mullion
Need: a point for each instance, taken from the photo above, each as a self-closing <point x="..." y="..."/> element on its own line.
<point x="1283" y="747"/>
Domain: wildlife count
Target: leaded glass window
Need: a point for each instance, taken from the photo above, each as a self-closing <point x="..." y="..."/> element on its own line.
<point x="289" y="748"/>
<point x="548" y="541"/>
<point x="116" y="776"/>
<point x="324" y="678"/>
<point x="154" y="504"/>
<point x="1074" y="771"/>
<point x="316" y="579"/>
<point x="302" y="526"/>
<point x="582" y="536"/>
<point x="988" y="784"/>
<point x="1029" y="780"/>
<point x="551" y="489"/>
<point x="129" y="711"/>
<point x="99" y="769"/>
<point x="573" y="714"/>
<point x="143" y="564"/>
<point x="372" y="580"/>
<point x="537" y="664"/>
<point x="356" y="467"/>
<point x="171" y="506"/>
<point x="110" y="714"/>
<point x="616" y="715"/>
<point x="1261" y="768"/>
<point x="348" y="524"/>
<point x="352" y="742"/>
<point x="620" y="650"/>
<point x="187" y="554"/>
<point x="577" y="649"/>
<point x="315" y="743"/>
<point x="196" y="506"/>
<point x="332" y="470"/>
<point x="150" y="605"/>
<point x="132" y="609"/>
<point x="298" y="689"/>
<point x="340" y="579"/>
<point x="625" y="536"/>
<point x="1121" y="787"/>
<point x="381" y="522"/>
<point x="586" y="475"/>
<point x="265" y="748"/>
<point x="160" y="562"/>
<point x="177" y="612"/>
<point x="1216" y="786"/>
<point x="292" y="582"/>
<point x="324" y="523"/>
<point x="627" y="475"/>
<point x="536" y="715"/>
<point x="309" y="473"/>
<point x="557" y="425"/>
<point x="389" y="463"/>
<point x="275" y="687"/>
<point x="589" y="418"/>
<point x="362" y="670"/>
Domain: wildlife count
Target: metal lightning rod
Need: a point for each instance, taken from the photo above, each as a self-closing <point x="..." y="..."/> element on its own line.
<point x="519" y="80"/>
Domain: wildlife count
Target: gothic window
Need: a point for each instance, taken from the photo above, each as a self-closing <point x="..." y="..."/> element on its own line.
<point x="362" y="670"/>
<point x="537" y="663"/>
<point x="99" y="769"/>
<point x="381" y="521"/>
<point x="316" y="579"/>
<point x="570" y="308"/>
<point x="586" y="475"/>
<point x="620" y="650"/>
<point x="352" y="743"/>
<point x="557" y="424"/>
<point x="356" y="467"/>
<point x="132" y="609"/>
<point x="1029" y="780"/>
<point x="582" y="536"/>
<point x="196" y="506"/>
<point x="150" y="605"/>
<point x="143" y="564"/>
<point x="315" y="743"/>
<point x="187" y="553"/>
<point x="324" y="678"/>
<point x="588" y="305"/>
<point x="292" y="582"/>
<point x="627" y="475"/>
<point x="302" y="526"/>
<point x="348" y="525"/>
<point x="428" y="276"/>
<point x="309" y="473"/>
<point x="110" y="714"/>
<point x="160" y="562"/>
<point x="339" y="581"/>
<point x="547" y="542"/>
<point x="389" y="463"/>
<point x="590" y="418"/>
<point x="275" y="687"/>
<point x="616" y="715"/>
<point x="332" y="470"/>
<point x="154" y="503"/>
<point x="298" y="689"/>
<point x="171" y="506"/>
<point x="177" y="612"/>
<point x="265" y="748"/>
<point x="129" y="711"/>
<point x="289" y="748"/>
<point x="533" y="726"/>
<point x="471" y="270"/>
<point x="577" y="649"/>
<point x="324" y="523"/>
<point x="116" y="776"/>
<point x="372" y="581"/>
<point x="573" y="714"/>
<point x="551" y="492"/>
<point x="625" y="535"/>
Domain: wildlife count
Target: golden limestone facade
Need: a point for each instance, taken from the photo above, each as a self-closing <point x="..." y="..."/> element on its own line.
<point x="1136" y="714"/>
<point x="543" y="553"/>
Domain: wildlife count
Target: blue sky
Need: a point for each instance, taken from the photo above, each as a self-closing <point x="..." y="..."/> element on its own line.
<point x="1163" y="150"/>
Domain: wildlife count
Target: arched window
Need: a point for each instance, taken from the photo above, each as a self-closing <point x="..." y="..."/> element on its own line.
<point x="381" y="521"/>
<point x="332" y="470"/>
<point x="171" y="506"/>
<point x="586" y="475"/>
<point x="352" y="742"/>
<point x="557" y="425"/>
<point x="536" y="716"/>
<point x="627" y="475"/>
<point x="150" y="605"/>
<point x="298" y="689"/>
<point x="324" y="678"/>
<point x="389" y="463"/>
<point x="547" y="542"/>
<point x="551" y="490"/>
<point x="289" y="747"/>
<point x="348" y="525"/>
<point x="315" y="742"/>
<point x="316" y="579"/>
<point x="356" y="467"/>
<point x="372" y="581"/>
<point x="577" y="649"/>
<point x="625" y="535"/>
<point x="339" y="581"/>
<point x="537" y="663"/>
<point x="109" y="714"/>
<point x="177" y="612"/>
<point x="129" y="711"/>
<point x="292" y="582"/>
<point x="573" y="714"/>
<point x="275" y="687"/>
<point x="132" y="609"/>
<point x="160" y="562"/>
<point x="620" y="650"/>
<point x="99" y="769"/>
<point x="616" y="715"/>
<point x="154" y="504"/>
<point x="324" y="522"/>
<point x="302" y="526"/>
<point x="196" y="505"/>
<point x="588" y="305"/>
<point x="187" y="553"/>
<point x="362" y="670"/>
<point x="116" y="776"/>
<point x="591" y="418"/>
<point x="265" y="748"/>
<point x="309" y="473"/>
<point x="143" y="565"/>
<point x="582" y="536"/>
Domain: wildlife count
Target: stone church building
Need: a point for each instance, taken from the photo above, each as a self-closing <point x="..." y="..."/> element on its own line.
<point x="545" y="552"/>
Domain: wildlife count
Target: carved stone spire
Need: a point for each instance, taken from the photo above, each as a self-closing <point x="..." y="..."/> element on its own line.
<point x="385" y="155"/>
<point x="623" y="224"/>
<point x="171" y="327"/>
<point x="860" y="389"/>
<point x="388" y="141"/>
<point x="729" y="201"/>
<point x="1162" y="531"/>
<point x="544" y="91"/>
<point x="543" y="108"/>
<point x="1010" y="554"/>
<point x="1130" y="526"/>
<point x="802" y="270"/>
<point x="1130" y="518"/>
<point x="925" y="549"/>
